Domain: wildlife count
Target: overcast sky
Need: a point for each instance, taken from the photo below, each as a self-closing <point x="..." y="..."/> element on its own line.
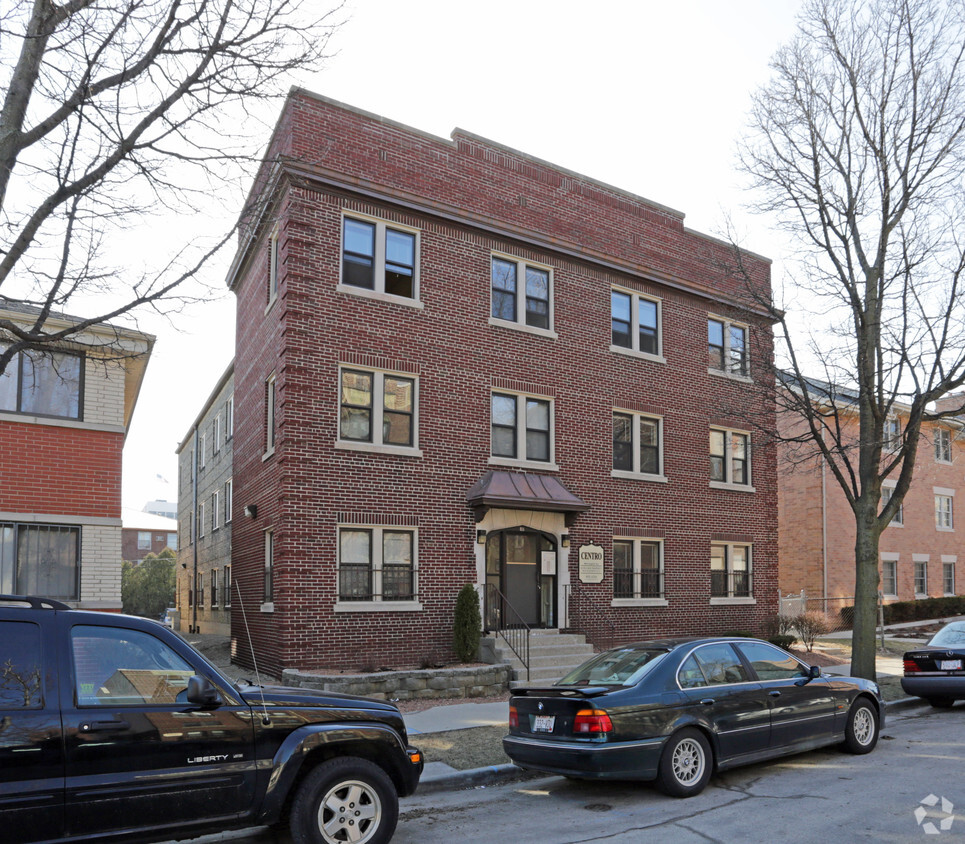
<point x="649" y="97"/>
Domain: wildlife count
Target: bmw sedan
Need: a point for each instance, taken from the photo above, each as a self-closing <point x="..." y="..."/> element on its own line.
<point x="935" y="671"/>
<point x="674" y="711"/>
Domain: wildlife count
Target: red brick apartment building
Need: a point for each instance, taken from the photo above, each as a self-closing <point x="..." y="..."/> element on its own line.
<point x="919" y="550"/>
<point x="456" y="363"/>
<point x="64" y="416"/>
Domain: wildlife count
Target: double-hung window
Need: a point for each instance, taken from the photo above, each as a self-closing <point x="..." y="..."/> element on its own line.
<point x="730" y="571"/>
<point x="270" y="400"/>
<point x="226" y="588"/>
<point x="214" y="588"/>
<point x="216" y="437"/>
<point x="730" y="458"/>
<point x="637" y="444"/>
<point x="377" y="409"/>
<point x="144" y="540"/>
<point x="377" y="564"/>
<point x="229" y="418"/>
<point x="521" y="293"/>
<point x="637" y="569"/>
<point x="215" y="511"/>
<point x="200" y="519"/>
<point x="634" y="323"/>
<point x="228" y="485"/>
<point x="522" y="428"/>
<point x="43" y="383"/>
<point x="948" y="577"/>
<point x="889" y="577"/>
<point x="892" y="434"/>
<point x="268" y="579"/>
<point x="380" y="257"/>
<point x="943" y="445"/>
<point x="921" y="578"/>
<point x="899" y="518"/>
<point x="727" y="347"/>
<point x="274" y="267"/>
<point x="40" y="560"/>
<point x="944" y="511"/>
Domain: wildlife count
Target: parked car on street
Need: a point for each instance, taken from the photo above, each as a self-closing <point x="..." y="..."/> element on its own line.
<point x="676" y="710"/>
<point x="113" y="728"/>
<point x="935" y="671"/>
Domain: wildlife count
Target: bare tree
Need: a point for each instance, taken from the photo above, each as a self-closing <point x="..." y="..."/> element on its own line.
<point x="113" y="112"/>
<point x="857" y="145"/>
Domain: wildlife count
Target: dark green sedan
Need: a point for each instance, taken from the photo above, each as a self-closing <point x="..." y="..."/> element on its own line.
<point x="674" y="711"/>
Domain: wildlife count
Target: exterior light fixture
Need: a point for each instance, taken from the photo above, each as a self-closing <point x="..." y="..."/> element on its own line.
<point x="565" y="540"/>
<point x="480" y="537"/>
<point x="251" y="511"/>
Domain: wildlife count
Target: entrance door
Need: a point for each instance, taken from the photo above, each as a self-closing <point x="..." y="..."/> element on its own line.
<point x="515" y="565"/>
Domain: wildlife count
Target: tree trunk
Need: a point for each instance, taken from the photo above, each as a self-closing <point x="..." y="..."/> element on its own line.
<point x="865" y="590"/>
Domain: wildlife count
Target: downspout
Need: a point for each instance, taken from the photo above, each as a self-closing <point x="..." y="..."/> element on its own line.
<point x="824" y="529"/>
<point x="195" y="531"/>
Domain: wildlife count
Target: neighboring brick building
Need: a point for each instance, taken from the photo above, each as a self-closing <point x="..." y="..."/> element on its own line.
<point x="204" y="514"/>
<point x="146" y="533"/>
<point x="456" y="363"/>
<point x="63" y="419"/>
<point x="920" y="550"/>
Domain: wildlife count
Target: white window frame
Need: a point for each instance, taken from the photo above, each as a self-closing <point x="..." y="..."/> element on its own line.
<point x="273" y="268"/>
<point x="944" y="509"/>
<point x="634" y="349"/>
<point x="889" y="565"/>
<point x="921" y="577"/>
<point x="377" y="446"/>
<point x="215" y="510"/>
<point x="519" y="323"/>
<point x="228" y="489"/>
<point x="523" y="462"/>
<point x="378" y="261"/>
<point x="226" y="586"/>
<point x="140" y="535"/>
<point x="948" y="567"/>
<point x="899" y="518"/>
<point x="943" y="445"/>
<point x="637" y="542"/>
<point x="728" y="371"/>
<point x="731" y="598"/>
<point x="891" y="434"/>
<point x="213" y="590"/>
<point x="200" y="520"/>
<point x="268" y="572"/>
<point x="635" y="473"/>
<point x="728" y="482"/>
<point x="270" y="404"/>
<point x="378" y="605"/>
<point x="229" y="418"/>
<point x="202" y="450"/>
<point x="216" y="434"/>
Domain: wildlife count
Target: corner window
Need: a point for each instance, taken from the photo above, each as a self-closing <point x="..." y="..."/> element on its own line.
<point x="634" y="323"/>
<point x="943" y="445"/>
<point x="40" y="560"/>
<point x="944" y="517"/>
<point x="376" y="564"/>
<point x="377" y="408"/>
<point x="637" y="444"/>
<point x="270" y="415"/>
<point x="730" y="463"/>
<point x="730" y="571"/>
<point x="379" y="257"/>
<point x="522" y="428"/>
<point x="727" y="347"/>
<point x="889" y="578"/>
<point x="521" y="293"/>
<point x="42" y="383"/>
<point x="637" y="568"/>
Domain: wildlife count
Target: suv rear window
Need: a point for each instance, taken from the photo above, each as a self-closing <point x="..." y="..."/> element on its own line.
<point x="21" y="667"/>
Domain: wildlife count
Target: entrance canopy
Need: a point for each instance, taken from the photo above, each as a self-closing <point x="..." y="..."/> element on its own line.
<point x="523" y="491"/>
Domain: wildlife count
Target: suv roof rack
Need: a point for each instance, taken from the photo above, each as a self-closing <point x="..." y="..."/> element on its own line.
<point x="35" y="603"/>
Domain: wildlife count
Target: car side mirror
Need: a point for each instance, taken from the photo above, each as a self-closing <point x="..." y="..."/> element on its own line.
<point x="201" y="692"/>
<point x="813" y="672"/>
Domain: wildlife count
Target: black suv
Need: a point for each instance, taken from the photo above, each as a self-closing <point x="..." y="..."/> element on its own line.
<point x="113" y="727"/>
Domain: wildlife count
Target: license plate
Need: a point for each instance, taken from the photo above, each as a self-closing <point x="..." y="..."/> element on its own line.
<point x="543" y="723"/>
<point x="950" y="664"/>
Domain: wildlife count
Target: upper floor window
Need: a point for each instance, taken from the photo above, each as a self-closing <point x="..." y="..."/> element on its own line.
<point x="730" y="571"/>
<point x="522" y="428"/>
<point x="379" y="257"/>
<point x="943" y="445"/>
<point x="730" y="457"/>
<point x="215" y="511"/>
<point x="636" y="444"/>
<point x="376" y="564"/>
<point x="944" y="519"/>
<point x="216" y="435"/>
<point x="172" y="541"/>
<point x="200" y="519"/>
<point x="274" y="268"/>
<point x="899" y="517"/>
<point x="228" y="484"/>
<point x="634" y="322"/>
<point x="43" y="383"/>
<point x="637" y="568"/>
<point x="144" y="540"/>
<point x="378" y="408"/>
<point x="892" y="434"/>
<point x="40" y="560"/>
<point x="229" y="418"/>
<point x="521" y="292"/>
<point x="202" y="450"/>
<point x="270" y="415"/>
<point x="727" y="347"/>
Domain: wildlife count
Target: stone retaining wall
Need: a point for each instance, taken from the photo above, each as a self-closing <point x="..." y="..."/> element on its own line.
<point x="471" y="681"/>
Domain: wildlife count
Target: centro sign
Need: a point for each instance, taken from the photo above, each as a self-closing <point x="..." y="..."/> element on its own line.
<point x="591" y="564"/>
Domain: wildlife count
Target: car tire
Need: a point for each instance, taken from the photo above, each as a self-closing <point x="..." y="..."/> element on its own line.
<point x="862" y="730"/>
<point x="685" y="764"/>
<point x="345" y="799"/>
<point x="941" y="702"/>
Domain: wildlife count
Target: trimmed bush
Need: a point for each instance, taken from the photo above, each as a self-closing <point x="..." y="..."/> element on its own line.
<point x="782" y="640"/>
<point x="467" y="624"/>
<point x="809" y="626"/>
<point x="922" y="609"/>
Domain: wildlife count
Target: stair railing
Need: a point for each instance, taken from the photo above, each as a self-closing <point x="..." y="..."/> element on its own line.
<point x="502" y="618"/>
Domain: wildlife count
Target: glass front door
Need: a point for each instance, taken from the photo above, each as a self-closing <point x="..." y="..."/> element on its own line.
<point x="521" y="564"/>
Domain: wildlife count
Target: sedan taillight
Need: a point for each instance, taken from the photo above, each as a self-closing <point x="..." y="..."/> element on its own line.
<point x="592" y="721"/>
<point x="910" y="666"/>
<point x="513" y="717"/>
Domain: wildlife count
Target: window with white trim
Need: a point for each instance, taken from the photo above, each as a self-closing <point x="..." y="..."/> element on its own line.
<point x="202" y="450"/>
<point x="889" y="578"/>
<point x="199" y="591"/>
<point x="200" y="519"/>
<point x="144" y="540"/>
<point x="376" y="563"/>
<point x="727" y="347"/>
<point x="214" y="588"/>
<point x="892" y="434"/>
<point x="268" y="580"/>
<point x="899" y="518"/>
<point x="521" y="292"/>
<point x="634" y="322"/>
<point x="226" y="586"/>
<point x="637" y="444"/>
<point x="216" y="437"/>
<point x="944" y="516"/>
<point x="637" y="568"/>
<point x="228" y="485"/>
<point x="730" y="570"/>
<point x="43" y="383"/>
<point x="377" y="408"/>
<point x="273" y="266"/>
<point x="38" y="559"/>
<point x="380" y="257"/>
<point x="229" y="418"/>
<point x="730" y="457"/>
<point x="943" y="445"/>
<point x="921" y="578"/>
<point x="270" y="415"/>
<point x="522" y="428"/>
<point x="215" y="511"/>
<point x="948" y="578"/>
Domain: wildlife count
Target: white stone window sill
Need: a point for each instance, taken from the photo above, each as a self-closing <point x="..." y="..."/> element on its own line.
<point x="379" y="296"/>
<point x="636" y="353"/>
<point x="638" y="476"/>
<point x="523" y="464"/>
<point x="271" y="303"/>
<point x="945" y="529"/>
<point x="639" y="602"/>
<point x="522" y="326"/>
<point x="267" y="454"/>
<point x="376" y="448"/>
<point x="268" y="607"/>
<point x="59" y="422"/>
<point x="896" y="524"/>
<point x="732" y="487"/>
<point x="378" y="606"/>
<point x="732" y="376"/>
<point x="730" y="602"/>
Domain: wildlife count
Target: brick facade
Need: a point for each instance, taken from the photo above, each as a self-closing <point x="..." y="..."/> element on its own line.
<point x="468" y="199"/>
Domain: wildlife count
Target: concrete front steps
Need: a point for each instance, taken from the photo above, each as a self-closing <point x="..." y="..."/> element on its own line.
<point x="551" y="655"/>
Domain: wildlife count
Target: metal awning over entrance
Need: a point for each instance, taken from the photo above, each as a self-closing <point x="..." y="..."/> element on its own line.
<point x="523" y="491"/>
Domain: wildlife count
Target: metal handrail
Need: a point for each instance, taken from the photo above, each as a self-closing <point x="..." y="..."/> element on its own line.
<point x="503" y="619"/>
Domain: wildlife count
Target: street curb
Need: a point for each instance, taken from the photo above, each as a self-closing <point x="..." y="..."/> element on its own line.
<point x="475" y="777"/>
<point x="904" y="703"/>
